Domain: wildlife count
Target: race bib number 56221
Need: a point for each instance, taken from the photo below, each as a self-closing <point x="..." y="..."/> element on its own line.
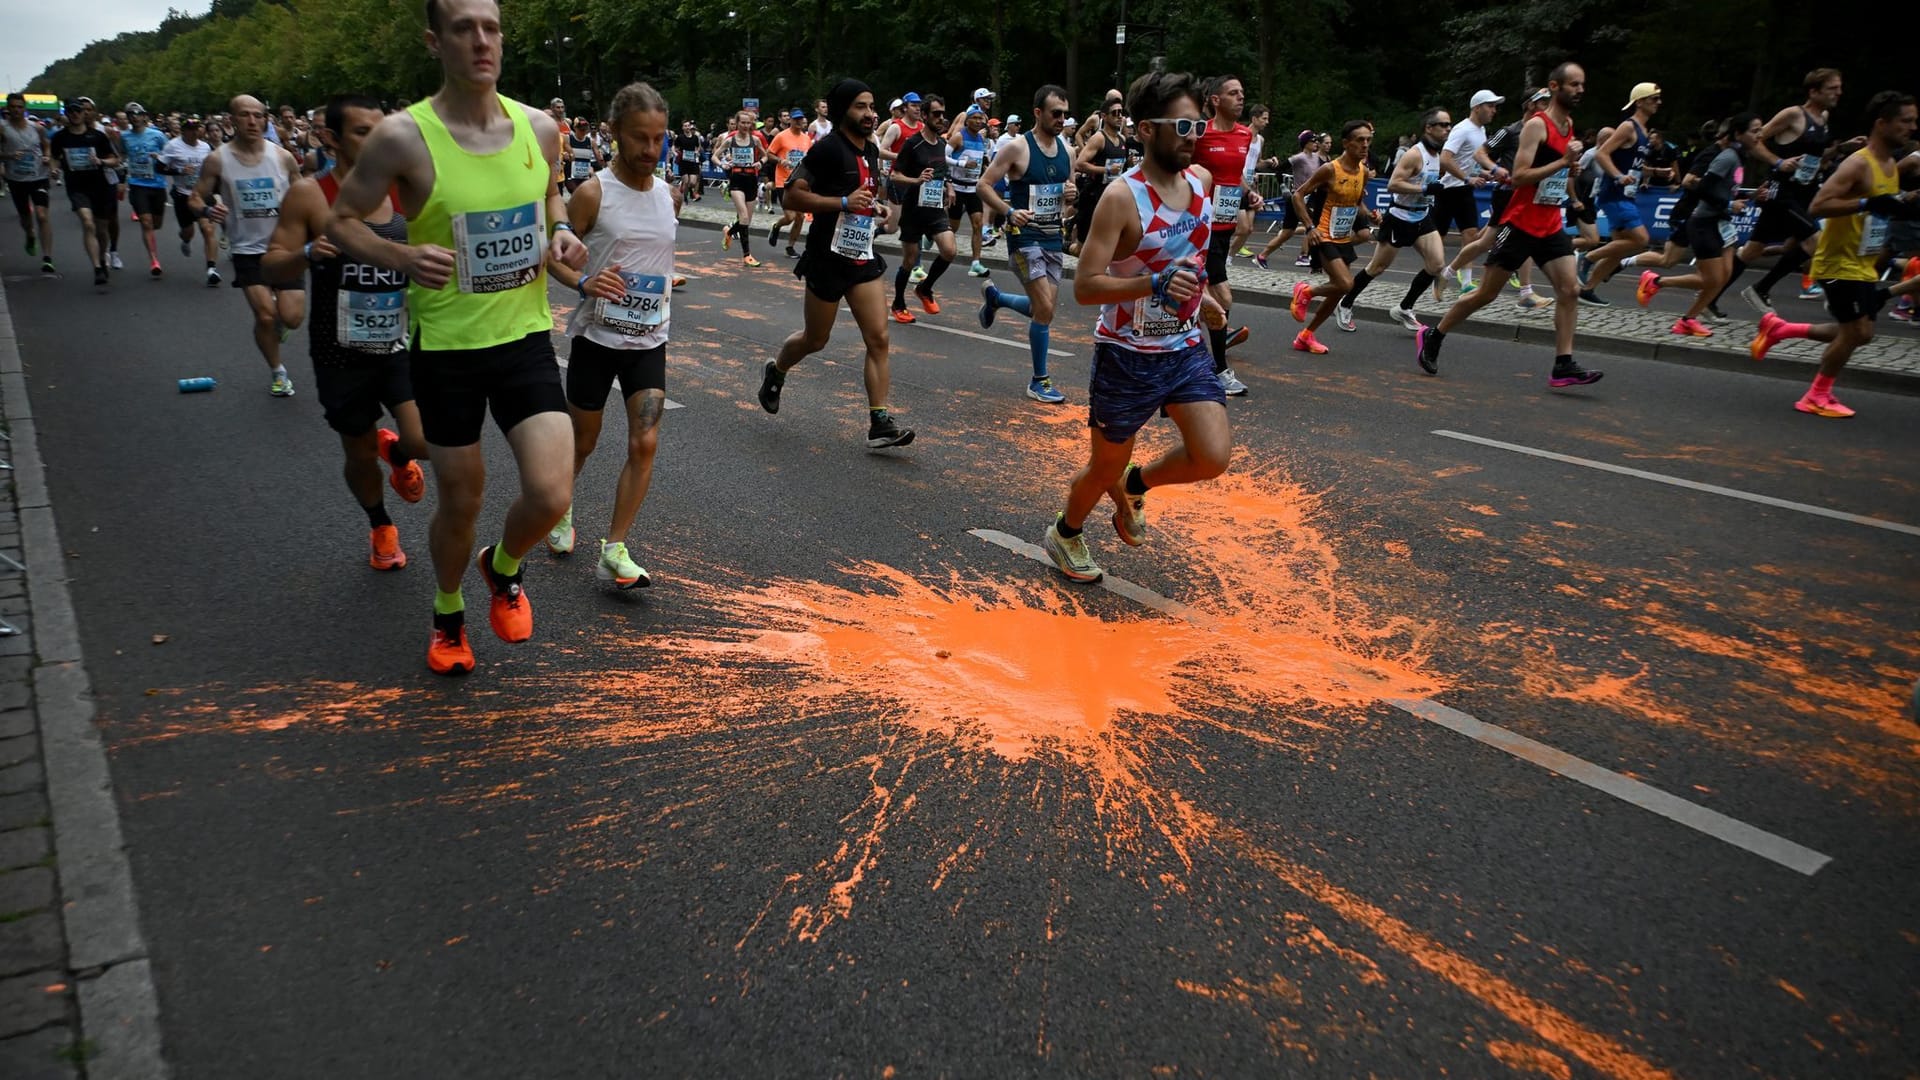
<point x="498" y="250"/>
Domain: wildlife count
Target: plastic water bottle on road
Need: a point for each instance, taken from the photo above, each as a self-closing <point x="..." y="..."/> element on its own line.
<point x="198" y="385"/>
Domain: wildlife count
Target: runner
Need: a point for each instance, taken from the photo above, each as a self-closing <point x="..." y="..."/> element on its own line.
<point x="357" y="337"/>
<point x="839" y="186"/>
<point x="252" y="176"/>
<point x="822" y="124"/>
<point x="1333" y="239"/>
<point x="904" y="124"/>
<point x="788" y="150"/>
<point x="141" y="147"/>
<point x="920" y="172"/>
<point x="181" y="160"/>
<point x="1622" y="158"/>
<point x="688" y="148"/>
<point x="115" y="183"/>
<point x="739" y="154"/>
<point x="1794" y="145"/>
<point x="80" y="154"/>
<point x="1857" y="201"/>
<point x="1410" y="221"/>
<point x="1713" y="139"/>
<point x="1466" y="167"/>
<point x="1257" y="118"/>
<point x="1223" y="151"/>
<point x="1037" y="168"/>
<point x="1101" y="159"/>
<point x="1301" y="166"/>
<point x="29" y="180"/>
<point x="1149" y="235"/>
<point x="619" y="330"/>
<point x="1533" y="228"/>
<point x="1501" y="147"/>
<point x="583" y="154"/>
<point x="475" y="172"/>
<point x="1710" y="228"/>
<point x="967" y="153"/>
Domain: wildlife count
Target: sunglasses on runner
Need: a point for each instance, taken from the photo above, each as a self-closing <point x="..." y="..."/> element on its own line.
<point x="1184" y="127"/>
<point x="1056" y="113"/>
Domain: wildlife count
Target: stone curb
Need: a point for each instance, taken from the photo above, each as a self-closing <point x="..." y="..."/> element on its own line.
<point x="119" y="1007"/>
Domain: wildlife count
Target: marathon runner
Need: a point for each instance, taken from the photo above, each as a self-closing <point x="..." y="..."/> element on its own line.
<point x="182" y="159"/>
<point x="1258" y="116"/>
<point x="1100" y="161"/>
<point x="357" y="336"/>
<point x="1710" y="227"/>
<point x="822" y="123"/>
<point x="920" y="172"/>
<point x="29" y="180"/>
<point x="739" y="154"/>
<point x="967" y="153"/>
<point x="583" y="154"/>
<point x="475" y="172"/>
<point x="1713" y="139"/>
<point x="1533" y="228"/>
<point x="619" y="330"/>
<point x="252" y="176"/>
<point x="1794" y="145"/>
<point x="1410" y="222"/>
<point x="788" y="150"/>
<point x="1334" y="237"/>
<point x="1148" y="242"/>
<point x="1466" y="167"/>
<point x="1301" y="165"/>
<point x="839" y="185"/>
<point x="141" y="147"/>
<point x="1038" y="168"/>
<point x="1858" y="203"/>
<point x="1501" y="147"/>
<point x="1622" y="159"/>
<point x="1223" y="151"/>
<point x="80" y="154"/>
<point x="688" y="149"/>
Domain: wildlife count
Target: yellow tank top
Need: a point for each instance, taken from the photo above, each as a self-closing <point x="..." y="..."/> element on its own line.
<point x="1342" y="209"/>
<point x="1850" y="247"/>
<point x="490" y="210"/>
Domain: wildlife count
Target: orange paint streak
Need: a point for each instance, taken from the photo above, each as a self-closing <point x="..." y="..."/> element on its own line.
<point x="1790" y="988"/>
<point x="1523" y="1058"/>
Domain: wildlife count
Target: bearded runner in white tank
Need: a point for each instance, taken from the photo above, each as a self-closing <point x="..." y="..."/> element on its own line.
<point x="634" y="231"/>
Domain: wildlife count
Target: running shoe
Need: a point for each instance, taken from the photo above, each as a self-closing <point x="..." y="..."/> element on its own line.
<point x="1070" y="554"/>
<point x="1648" y="288"/>
<point x="1756" y="299"/>
<point x="1303" y="262"/>
<point x="1715" y="315"/>
<point x="679" y="281"/>
<point x="1230" y="385"/>
<point x="771" y="380"/>
<point x="978" y="269"/>
<point x="989" y="303"/>
<point x="618" y="567"/>
<point x="155" y="270"/>
<point x="1515" y="282"/>
<point x="510" y="612"/>
<point x="927" y="303"/>
<point x="560" y="538"/>
<point x="1582" y="267"/>
<point x="1428" y="364"/>
<point x="726" y="238"/>
<point x="1343" y="318"/>
<point x="408" y="481"/>
<point x="281" y="386"/>
<point x="773" y="236"/>
<point x="1130" y="518"/>
<point x="1688" y="327"/>
<point x="113" y="260"/>
<point x="1261" y="262"/>
<point x="1245" y="252"/>
<point x="1902" y="311"/>
<point x="33" y="246"/>
<point x="1570" y="373"/>
<point x="213" y="278"/>
<point x="1406" y="318"/>
<point x="1305" y="342"/>
<point x="1238" y="336"/>
<point x="750" y="261"/>
<point x="383" y="549"/>
<point x="99" y="275"/>
<point x="1532" y="301"/>
<point x="186" y="244"/>
<point x="1822" y="405"/>
<point x="884" y="431"/>
<point x="917" y="275"/>
<point x="1042" y="390"/>
<point x="46" y="267"/>
<point x="902" y="315"/>
<point x="1768" y="337"/>
<point x="1464" y="279"/>
<point x="1302" y="296"/>
<point x="791" y="253"/>
<point x="988" y="238"/>
<point x="448" y="653"/>
<point x="1593" y="299"/>
<point x="1815" y="292"/>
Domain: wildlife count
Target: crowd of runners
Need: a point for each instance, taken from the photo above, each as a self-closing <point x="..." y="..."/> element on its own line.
<point x="416" y="245"/>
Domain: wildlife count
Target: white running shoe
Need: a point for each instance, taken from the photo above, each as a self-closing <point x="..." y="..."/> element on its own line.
<point x="560" y="537"/>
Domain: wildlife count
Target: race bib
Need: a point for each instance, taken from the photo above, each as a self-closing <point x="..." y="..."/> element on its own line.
<point x="642" y="309"/>
<point x="1552" y="191"/>
<point x="1151" y="319"/>
<point x="1729" y="233"/>
<point x="256" y="197"/>
<point x="691" y="157"/>
<point x="1115" y="166"/>
<point x="853" y="236"/>
<point x="1044" y="201"/>
<point x="498" y="250"/>
<point x="370" y="321"/>
<point x="1340" y="225"/>
<point x="933" y="194"/>
<point x="1226" y="201"/>
<point x="79" y="158"/>
<point x="969" y="169"/>
<point x="1803" y="173"/>
<point x="743" y="157"/>
<point x="1873" y="235"/>
<point x="795" y="157"/>
<point x="25" y="166"/>
<point x="140" y="168"/>
<point x="582" y="168"/>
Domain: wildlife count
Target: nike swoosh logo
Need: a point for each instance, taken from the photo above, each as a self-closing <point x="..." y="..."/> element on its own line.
<point x="529" y="157"/>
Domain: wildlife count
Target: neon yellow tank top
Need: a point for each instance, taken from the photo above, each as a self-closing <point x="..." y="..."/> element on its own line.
<point x="490" y="210"/>
<point x="1850" y="247"/>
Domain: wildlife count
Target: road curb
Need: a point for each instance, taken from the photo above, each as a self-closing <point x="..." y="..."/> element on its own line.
<point x="1689" y="355"/>
<point x="119" y="1006"/>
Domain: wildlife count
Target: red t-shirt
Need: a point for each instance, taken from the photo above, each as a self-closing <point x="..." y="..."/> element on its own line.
<point x="1224" y="154"/>
<point x="1533" y="213"/>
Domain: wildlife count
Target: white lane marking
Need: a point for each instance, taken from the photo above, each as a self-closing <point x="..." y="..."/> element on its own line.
<point x="1729" y="830"/>
<point x="1692" y="485"/>
<point x="671" y="404"/>
<point x="977" y="336"/>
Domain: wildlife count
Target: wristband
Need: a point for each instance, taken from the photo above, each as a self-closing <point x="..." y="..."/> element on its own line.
<point x="567" y="225"/>
<point x="306" y="252"/>
<point x="843" y="202"/>
<point x="581" y="288"/>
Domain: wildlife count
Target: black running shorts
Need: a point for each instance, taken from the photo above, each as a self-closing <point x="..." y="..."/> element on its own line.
<point x="593" y="367"/>
<point x="456" y="388"/>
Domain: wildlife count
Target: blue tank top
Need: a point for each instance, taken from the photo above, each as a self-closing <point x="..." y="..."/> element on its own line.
<point x="1041" y="189"/>
<point x="141" y="149"/>
<point x="1629" y="160"/>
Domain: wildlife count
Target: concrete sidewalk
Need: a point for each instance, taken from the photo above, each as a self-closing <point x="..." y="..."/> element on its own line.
<point x="1890" y="362"/>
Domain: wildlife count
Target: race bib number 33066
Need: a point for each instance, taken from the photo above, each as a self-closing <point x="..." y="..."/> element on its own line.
<point x="498" y="250"/>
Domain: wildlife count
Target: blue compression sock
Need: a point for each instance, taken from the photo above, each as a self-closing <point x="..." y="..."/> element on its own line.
<point x="1017" y="303"/>
<point x="1037" y="336"/>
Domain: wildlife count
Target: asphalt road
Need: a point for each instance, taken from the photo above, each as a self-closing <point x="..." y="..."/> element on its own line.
<point x="853" y="791"/>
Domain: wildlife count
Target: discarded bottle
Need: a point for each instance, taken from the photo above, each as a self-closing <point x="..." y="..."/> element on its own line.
<point x="198" y="386"/>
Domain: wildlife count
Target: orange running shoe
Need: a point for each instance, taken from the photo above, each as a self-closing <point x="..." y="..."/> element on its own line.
<point x="511" y="613"/>
<point x="902" y="315"/>
<point x="751" y="261"/>
<point x="384" y="549"/>
<point x="927" y="303"/>
<point x="1302" y="296"/>
<point x="448" y="653"/>
<point x="1307" y="343"/>
<point x="409" y="482"/>
<point x="1912" y="270"/>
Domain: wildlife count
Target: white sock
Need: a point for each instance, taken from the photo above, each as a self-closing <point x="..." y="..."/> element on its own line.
<point x="280" y="369"/>
<point x="1628" y="261"/>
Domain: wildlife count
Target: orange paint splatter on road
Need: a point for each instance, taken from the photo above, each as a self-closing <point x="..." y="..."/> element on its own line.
<point x="1522" y="1058"/>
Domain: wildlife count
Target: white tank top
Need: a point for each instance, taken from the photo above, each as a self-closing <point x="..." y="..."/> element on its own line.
<point x="634" y="231"/>
<point x="1415" y="207"/>
<point x="25" y="162"/>
<point x="253" y="194"/>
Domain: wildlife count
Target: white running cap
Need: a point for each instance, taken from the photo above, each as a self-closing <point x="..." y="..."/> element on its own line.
<point x="1485" y="97"/>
